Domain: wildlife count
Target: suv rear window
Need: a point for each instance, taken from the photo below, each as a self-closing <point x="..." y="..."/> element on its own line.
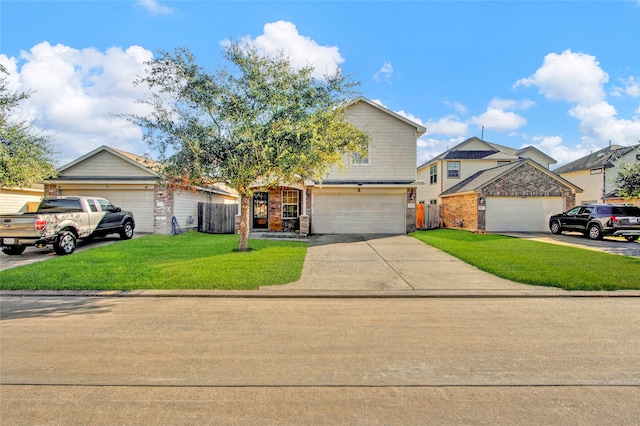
<point x="60" y="205"/>
<point x="626" y="211"/>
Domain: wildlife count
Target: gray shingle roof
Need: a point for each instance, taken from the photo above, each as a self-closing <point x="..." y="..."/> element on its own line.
<point x="599" y="159"/>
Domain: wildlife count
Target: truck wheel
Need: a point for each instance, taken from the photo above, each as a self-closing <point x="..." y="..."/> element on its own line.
<point x="127" y="231"/>
<point x="65" y="244"/>
<point x="595" y="233"/>
<point x="555" y="227"/>
<point x="13" y="250"/>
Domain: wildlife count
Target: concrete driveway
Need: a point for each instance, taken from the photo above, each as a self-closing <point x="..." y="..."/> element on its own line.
<point x="391" y="263"/>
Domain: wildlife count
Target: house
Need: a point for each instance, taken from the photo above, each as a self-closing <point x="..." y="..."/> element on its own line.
<point x="596" y="173"/>
<point x="486" y="187"/>
<point x="14" y="200"/>
<point x="373" y="194"/>
<point x="134" y="183"/>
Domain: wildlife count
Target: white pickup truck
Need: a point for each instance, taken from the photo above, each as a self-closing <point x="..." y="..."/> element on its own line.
<point x="61" y="221"/>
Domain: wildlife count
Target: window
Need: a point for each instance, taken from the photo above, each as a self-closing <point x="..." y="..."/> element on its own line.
<point x="453" y="169"/>
<point x="92" y="205"/>
<point x="105" y="206"/>
<point x="433" y="174"/>
<point x="595" y="171"/>
<point x="503" y="163"/>
<point x="433" y="201"/>
<point x="360" y="160"/>
<point x="289" y="204"/>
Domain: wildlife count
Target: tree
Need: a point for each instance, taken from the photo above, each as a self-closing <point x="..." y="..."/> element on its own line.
<point x="26" y="156"/>
<point x="628" y="180"/>
<point x="262" y="122"/>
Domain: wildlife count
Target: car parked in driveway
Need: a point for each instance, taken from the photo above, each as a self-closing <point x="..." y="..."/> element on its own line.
<point x="597" y="220"/>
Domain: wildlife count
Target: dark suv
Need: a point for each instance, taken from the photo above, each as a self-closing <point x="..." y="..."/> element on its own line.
<point x="598" y="220"/>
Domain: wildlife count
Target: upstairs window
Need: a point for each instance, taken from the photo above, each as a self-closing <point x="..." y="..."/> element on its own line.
<point x="453" y="169"/>
<point x="433" y="174"/>
<point x="360" y="160"/>
<point x="289" y="204"/>
<point x="595" y="171"/>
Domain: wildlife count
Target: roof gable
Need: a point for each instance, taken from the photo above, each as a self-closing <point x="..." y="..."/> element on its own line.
<point x="132" y="164"/>
<point x="481" y="179"/>
<point x="420" y="130"/>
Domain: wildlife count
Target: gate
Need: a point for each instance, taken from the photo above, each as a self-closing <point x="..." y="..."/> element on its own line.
<point x="428" y="216"/>
<point x="214" y="218"/>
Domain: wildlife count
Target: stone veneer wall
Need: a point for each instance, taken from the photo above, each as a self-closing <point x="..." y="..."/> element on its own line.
<point x="460" y="211"/>
<point x="162" y="210"/>
<point x="411" y="211"/>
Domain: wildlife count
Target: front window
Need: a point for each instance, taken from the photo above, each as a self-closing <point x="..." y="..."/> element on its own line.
<point x="453" y="169"/>
<point x="289" y="204"/>
<point x="433" y="174"/>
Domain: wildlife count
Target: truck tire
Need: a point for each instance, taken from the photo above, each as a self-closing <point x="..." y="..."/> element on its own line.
<point x="13" y="250"/>
<point x="127" y="231"/>
<point x="555" y="227"/>
<point x="594" y="232"/>
<point x="66" y="243"/>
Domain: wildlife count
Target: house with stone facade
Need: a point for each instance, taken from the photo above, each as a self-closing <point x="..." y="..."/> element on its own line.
<point x="486" y="187"/>
<point x="372" y="194"/>
<point x="596" y="173"/>
<point x="133" y="182"/>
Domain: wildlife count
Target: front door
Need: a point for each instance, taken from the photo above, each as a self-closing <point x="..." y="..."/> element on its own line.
<point x="261" y="210"/>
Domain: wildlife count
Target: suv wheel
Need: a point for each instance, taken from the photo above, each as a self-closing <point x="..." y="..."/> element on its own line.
<point x="555" y="227"/>
<point x="595" y="233"/>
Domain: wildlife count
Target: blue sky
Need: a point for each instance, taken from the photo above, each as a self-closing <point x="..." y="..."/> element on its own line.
<point x="563" y="76"/>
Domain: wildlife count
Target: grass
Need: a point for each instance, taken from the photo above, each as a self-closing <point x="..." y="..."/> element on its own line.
<point x="538" y="263"/>
<point x="188" y="261"/>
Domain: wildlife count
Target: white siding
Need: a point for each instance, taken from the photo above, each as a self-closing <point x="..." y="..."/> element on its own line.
<point x="138" y="201"/>
<point x="105" y="164"/>
<point x="15" y="201"/>
<point x="347" y="211"/>
<point x="392" y="154"/>
<point x="185" y="206"/>
<point x="517" y="214"/>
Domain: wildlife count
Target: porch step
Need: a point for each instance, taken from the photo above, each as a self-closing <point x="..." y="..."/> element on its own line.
<point x="289" y="236"/>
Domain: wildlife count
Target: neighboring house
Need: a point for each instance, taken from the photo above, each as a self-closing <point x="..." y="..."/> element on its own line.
<point x="14" y="200"/>
<point x="374" y="193"/>
<point x="134" y="183"/>
<point x="596" y="173"/>
<point x="483" y="186"/>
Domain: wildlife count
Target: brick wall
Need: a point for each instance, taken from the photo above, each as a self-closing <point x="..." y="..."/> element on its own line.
<point x="525" y="181"/>
<point x="460" y="211"/>
<point x="162" y="210"/>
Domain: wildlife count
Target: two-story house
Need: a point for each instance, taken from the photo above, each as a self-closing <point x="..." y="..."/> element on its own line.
<point x="483" y="186"/>
<point x="596" y="173"/>
<point x="373" y="194"/>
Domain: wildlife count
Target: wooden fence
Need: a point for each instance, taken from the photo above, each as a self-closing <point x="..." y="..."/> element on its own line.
<point x="428" y="216"/>
<point x="216" y="218"/>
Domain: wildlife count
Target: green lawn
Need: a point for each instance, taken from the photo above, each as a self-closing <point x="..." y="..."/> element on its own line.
<point x="188" y="261"/>
<point x="533" y="262"/>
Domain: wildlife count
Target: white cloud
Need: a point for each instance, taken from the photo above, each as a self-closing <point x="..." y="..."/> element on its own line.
<point x="499" y="120"/>
<point x="573" y="77"/>
<point x="449" y="125"/>
<point x="599" y="125"/>
<point x="384" y="74"/>
<point x="75" y="94"/>
<point x="430" y="147"/>
<point x="154" y="7"/>
<point x="631" y="88"/>
<point x="302" y="51"/>
<point x="553" y="147"/>
<point x="497" y="103"/>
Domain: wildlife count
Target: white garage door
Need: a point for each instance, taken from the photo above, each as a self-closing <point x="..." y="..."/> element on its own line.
<point x="369" y="211"/>
<point x="137" y="201"/>
<point x="517" y="214"/>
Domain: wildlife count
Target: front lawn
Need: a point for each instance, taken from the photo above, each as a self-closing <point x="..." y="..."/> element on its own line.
<point x="538" y="263"/>
<point x="188" y="261"/>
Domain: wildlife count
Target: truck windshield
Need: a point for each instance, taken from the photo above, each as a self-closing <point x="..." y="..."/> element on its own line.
<point x="60" y="205"/>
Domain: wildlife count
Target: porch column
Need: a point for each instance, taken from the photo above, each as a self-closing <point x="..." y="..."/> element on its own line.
<point x="304" y="217"/>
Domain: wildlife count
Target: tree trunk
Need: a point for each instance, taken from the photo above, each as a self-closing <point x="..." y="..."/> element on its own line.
<point x="245" y="204"/>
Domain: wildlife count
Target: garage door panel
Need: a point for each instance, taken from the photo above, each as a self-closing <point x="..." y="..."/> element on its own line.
<point x="517" y="214"/>
<point x="139" y="202"/>
<point x="358" y="212"/>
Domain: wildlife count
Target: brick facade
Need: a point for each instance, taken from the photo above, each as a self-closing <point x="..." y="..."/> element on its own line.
<point x="411" y="211"/>
<point x="461" y="211"/>
<point x="162" y="210"/>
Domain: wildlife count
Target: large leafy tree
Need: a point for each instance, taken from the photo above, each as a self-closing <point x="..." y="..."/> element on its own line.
<point x="26" y="155"/>
<point x="628" y="180"/>
<point x="261" y="122"/>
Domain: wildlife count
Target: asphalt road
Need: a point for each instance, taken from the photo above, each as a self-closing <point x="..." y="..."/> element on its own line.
<point x="189" y="360"/>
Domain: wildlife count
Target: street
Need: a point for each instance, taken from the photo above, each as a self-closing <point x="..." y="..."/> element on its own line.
<point x="190" y="360"/>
